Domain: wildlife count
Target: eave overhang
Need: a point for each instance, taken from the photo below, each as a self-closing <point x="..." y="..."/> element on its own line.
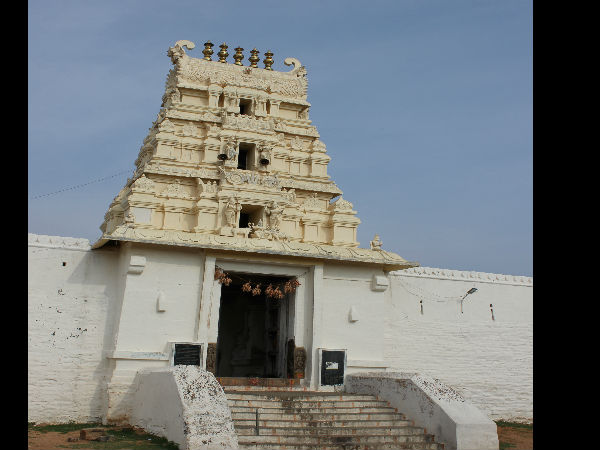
<point x="387" y="260"/>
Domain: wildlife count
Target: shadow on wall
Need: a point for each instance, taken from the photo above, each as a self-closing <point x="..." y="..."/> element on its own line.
<point x="99" y="269"/>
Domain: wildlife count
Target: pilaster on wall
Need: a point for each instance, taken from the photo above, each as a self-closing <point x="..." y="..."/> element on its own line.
<point x="159" y="292"/>
<point x="318" y="298"/>
<point x="299" y="313"/>
<point x="122" y="275"/>
<point x="209" y="284"/>
<point x="121" y="377"/>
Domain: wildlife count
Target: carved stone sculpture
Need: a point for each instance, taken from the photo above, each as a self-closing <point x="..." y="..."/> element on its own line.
<point x="230" y="212"/>
<point x="274" y="212"/>
<point x="211" y="357"/>
<point x="129" y="219"/>
<point x="376" y="243"/>
<point x="231" y="150"/>
<point x="299" y="362"/>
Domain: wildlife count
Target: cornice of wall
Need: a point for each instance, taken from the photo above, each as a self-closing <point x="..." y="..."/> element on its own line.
<point x="460" y="275"/>
<point x="41" y="240"/>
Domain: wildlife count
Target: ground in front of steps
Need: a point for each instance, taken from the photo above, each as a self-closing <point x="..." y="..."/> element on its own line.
<point x="515" y="436"/>
<point x="55" y="437"/>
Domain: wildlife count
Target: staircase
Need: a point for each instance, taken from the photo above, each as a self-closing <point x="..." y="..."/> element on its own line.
<point x="297" y="419"/>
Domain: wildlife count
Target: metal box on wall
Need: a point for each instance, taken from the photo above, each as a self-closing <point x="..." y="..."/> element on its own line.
<point x="332" y="367"/>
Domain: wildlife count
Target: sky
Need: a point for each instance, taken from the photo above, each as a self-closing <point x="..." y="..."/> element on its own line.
<point x="425" y="108"/>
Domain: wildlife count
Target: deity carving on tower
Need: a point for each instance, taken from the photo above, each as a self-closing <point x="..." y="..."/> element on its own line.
<point x="230" y="212"/>
<point x="274" y="212"/>
<point x="231" y="150"/>
<point x="376" y="243"/>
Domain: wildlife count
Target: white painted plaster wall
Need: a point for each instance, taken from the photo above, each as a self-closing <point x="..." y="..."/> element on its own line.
<point x="178" y="274"/>
<point x="93" y="324"/>
<point x="490" y="362"/>
<point x="69" y="325"/>
<point x="345" y="287"/>
<point x="145" y="332"/>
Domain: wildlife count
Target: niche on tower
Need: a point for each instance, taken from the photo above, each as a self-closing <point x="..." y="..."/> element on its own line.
<point x="245" y="107"/>
<point x="251" y="214"/>
<point x="247" y="156"/>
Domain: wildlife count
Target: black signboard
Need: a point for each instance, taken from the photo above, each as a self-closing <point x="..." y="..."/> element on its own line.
<point x="332" y="367"/>
<point x="187" y="354"/>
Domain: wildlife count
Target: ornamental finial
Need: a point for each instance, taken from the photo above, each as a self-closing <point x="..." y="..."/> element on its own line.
<point x="254" y="58"/>
<point x="223" y="53"/>
<point x="268" y="60"/>
<point x="208" y="51"/>
<point x="238" y="56"/>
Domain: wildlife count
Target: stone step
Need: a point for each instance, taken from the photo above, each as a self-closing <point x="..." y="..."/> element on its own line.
<point x="301" y="410"/>
<point x="385" y="446"/>
<point x="268" y="390"/>
<point x="317" y="416"/>
<point x="250" y="430"/>
<point x="297" y="395"/>
<point x="346" y="440"/>
<point x="298" y="419"/>
<point x="259" y="382"/>
<point x="308" y="403"/>
<point x="323" y="423"/>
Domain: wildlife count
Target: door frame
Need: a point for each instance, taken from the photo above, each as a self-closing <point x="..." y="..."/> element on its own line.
<point x="301" y="301"/>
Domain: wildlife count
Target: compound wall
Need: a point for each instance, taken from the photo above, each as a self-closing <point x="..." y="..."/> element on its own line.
<point x="488" y="360"/>
<point x="71" y="290"/>
<point x="86" y="343"/>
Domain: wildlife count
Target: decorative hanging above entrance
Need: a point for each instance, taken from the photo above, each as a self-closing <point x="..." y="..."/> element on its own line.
<point x="277" y="291"/>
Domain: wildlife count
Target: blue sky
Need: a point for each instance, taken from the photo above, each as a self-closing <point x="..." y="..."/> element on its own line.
<point x="425" y="108"/>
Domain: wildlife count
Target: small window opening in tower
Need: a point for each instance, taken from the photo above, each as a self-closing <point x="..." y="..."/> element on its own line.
<point x="246" y="156"/>
<point x="268" y="106"/>
<point x="251" y="214"/>
<point x="242" y="158"/>
<point x="244" y="219"/>
<point x="245" y="106"/>
<point x="221" y="101"/>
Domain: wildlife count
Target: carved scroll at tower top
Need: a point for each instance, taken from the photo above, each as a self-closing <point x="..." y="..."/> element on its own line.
<point x="206" y="71"/>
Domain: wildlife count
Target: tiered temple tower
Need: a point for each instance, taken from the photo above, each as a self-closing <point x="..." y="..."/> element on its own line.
<point x="233" y="160"/>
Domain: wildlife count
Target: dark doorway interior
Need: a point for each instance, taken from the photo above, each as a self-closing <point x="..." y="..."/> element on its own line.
<point x="253" y="330"/>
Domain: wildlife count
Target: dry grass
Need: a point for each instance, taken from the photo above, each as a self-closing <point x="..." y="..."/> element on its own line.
<point x="55" y="437"/>
<point x="515" y="436"/>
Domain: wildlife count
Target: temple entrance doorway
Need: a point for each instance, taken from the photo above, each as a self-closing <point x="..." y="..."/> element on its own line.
<point x="254" y="329"/>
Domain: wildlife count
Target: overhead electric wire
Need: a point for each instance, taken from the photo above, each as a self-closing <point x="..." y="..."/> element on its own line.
<point x="80" y="185"/>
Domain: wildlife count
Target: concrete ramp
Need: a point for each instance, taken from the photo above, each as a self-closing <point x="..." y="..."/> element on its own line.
<point x="456" y="423"/>
<point x="186" y="405"/>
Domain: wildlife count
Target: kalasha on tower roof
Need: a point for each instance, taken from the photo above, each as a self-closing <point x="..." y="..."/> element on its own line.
<point x="233" y="162"/>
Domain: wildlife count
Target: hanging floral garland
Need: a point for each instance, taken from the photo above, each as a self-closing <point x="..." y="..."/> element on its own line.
<point x="277" y="291"/>
<point x="222" y="277"/>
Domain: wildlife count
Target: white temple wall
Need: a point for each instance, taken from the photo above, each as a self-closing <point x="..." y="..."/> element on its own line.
<point x="160" y="304"/>
<point x="69" y="325"/>
<point x="362" y="334"/>
<point x="86" y="344"/>
<point x="177" y="273"/>
<point x="490" y="362"/>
